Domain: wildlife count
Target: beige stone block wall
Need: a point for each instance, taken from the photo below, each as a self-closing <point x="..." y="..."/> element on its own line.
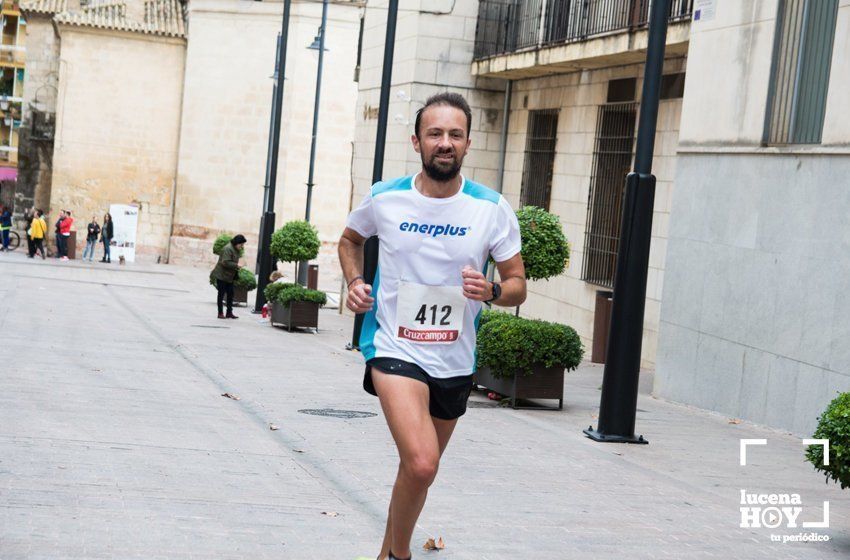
<point x="41" y="84"/>
<point x="567" y="298"/>
<point x="42" y="65"/>
<point x="729" y="73"/>
<point x="225" y="125"/>
<point x="117" y="126"/>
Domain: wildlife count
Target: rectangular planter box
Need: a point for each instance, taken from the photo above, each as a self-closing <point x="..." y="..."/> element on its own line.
<point x="544" y="383"/>
<point x="240" y="295"/>
<point x="298" y="314"/>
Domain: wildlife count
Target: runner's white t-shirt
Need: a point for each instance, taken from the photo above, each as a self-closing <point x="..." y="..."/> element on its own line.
<point x="420" y="313"/>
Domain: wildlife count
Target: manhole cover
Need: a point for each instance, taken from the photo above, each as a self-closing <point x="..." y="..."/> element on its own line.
<point x="333" y="413"/>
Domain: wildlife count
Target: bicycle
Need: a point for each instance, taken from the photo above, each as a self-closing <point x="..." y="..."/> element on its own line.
<point x="14" y="240"/>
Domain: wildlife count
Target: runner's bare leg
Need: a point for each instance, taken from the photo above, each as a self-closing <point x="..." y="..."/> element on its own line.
<point x="420" y="440"/>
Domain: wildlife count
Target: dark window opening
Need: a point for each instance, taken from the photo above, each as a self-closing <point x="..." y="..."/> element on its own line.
<point x="673" y="86"/>
<point x="621" y="90"/>
<point x="612" y="161"/>
<point x="539" y="158"/>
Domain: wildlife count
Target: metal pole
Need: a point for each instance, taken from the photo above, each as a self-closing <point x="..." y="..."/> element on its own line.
<point x="618" y="404"/>
<point x="370" y="251"/>
<point x="302" y="267"/>
<point x="264" y="257"/>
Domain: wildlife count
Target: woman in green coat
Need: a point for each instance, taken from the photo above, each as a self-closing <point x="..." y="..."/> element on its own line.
<point x="225" y="273"/>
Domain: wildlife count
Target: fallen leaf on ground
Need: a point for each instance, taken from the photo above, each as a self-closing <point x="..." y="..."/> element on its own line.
<point x="273" y="428"/>
<point x="229" y="396"/>
<point x="734" y="421"/>
<point x="330" y="513"/>
<point x="430" y="544"/>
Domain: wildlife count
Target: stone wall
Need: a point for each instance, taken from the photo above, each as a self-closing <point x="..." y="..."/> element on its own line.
<point x="225" y="124"/>
<point x="35" y="151"/>
<point x="755" y="317"/>
<point x="117" y="128"/>
<point x="579" y="95"/>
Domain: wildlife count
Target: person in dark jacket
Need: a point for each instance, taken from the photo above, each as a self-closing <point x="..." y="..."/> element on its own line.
<point x="91" y="238"/>
<point x="5" y="225"/>
<point x="29" y="216"/>
<point x="225" y="273"/>
<point x="106" y="235"/>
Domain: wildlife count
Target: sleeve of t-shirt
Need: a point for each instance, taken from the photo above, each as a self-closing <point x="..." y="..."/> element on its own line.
<point x="505" y="241"/>
<point x="362" y="218"/>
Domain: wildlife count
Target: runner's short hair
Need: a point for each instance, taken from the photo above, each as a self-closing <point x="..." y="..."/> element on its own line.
<point x="455" y="100"/>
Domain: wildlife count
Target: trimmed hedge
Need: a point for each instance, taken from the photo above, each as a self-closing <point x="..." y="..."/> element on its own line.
<point x="545" y="250"/>
<point x="295" y="241"/>
<point x="223" y="240"/>
<point x="507" y="344"/>
<point x="834" y="425"/>
<point x="220" y="242"/>
<point x="284" y="293"/>
<point x="244" y="280"/>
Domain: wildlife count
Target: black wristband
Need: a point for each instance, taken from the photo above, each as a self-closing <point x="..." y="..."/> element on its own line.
<point x="497" y="292"/>
<point x="354" y="280"/>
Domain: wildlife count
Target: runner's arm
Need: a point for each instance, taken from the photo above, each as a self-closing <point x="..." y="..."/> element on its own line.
<point x="351" y="243"/>
<point x="512" y="275"/>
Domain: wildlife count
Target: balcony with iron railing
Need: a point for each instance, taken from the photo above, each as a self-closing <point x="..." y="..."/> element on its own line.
<point x="525" y="38"/>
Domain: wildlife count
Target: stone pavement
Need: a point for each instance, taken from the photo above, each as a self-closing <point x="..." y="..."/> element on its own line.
<point x="115" y="442"/>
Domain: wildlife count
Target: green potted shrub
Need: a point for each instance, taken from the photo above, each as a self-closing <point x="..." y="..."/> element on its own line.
<point x="293" y="305"/>
<point x="834" y="425"/>
<point x="244" y="283"/>
<point x="517" y="357"/>
<point x="545" y="249"/>
<point x="525" y="358"/>
<point x="220" y="241"/>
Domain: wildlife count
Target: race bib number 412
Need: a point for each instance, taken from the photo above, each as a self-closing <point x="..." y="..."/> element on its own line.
<point x="430" y="314"/>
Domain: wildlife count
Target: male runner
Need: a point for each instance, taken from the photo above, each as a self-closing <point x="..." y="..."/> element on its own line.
<point x="436" y="231"/>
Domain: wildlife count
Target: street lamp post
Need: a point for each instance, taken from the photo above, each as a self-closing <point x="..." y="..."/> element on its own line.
<point x="264" y="258"/>
<point x="618" y="404"/>
<point x="370" y="251"/>
<point x="318" y="43"/>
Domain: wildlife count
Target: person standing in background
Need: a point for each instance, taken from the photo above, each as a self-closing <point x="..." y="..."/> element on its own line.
<point x="5" y="225"/>
<point x="38" y="231"/>
<point x="57" y="230"/>
<point x="106" y="235"/>
<point x="225" y="273"/>
<point x="91" y="238"/>
<point x="29" y="216"/>
<point x="65" y="233"/>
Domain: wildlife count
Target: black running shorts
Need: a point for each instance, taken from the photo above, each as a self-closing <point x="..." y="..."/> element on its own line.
<point x="447" y="396"/>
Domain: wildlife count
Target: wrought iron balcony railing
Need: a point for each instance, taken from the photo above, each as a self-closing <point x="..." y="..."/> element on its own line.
<point x="507" y="26"/>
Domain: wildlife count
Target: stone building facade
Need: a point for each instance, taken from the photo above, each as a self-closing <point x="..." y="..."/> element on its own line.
<point x="755" y="316"/>
<point x="165" y="105"/>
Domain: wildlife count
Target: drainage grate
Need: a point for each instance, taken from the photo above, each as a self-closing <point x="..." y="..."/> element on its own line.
<point x="333" y="413"/>
<point x="209" y="327"/>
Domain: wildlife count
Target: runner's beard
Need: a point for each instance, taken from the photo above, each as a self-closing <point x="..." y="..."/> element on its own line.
<point x="441" y="172"/>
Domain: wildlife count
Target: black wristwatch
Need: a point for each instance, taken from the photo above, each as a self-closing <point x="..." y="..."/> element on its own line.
<point x="497" y="292"/>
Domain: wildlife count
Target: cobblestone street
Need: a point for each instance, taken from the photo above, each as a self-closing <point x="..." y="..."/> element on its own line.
<point x="116" y="442"/>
